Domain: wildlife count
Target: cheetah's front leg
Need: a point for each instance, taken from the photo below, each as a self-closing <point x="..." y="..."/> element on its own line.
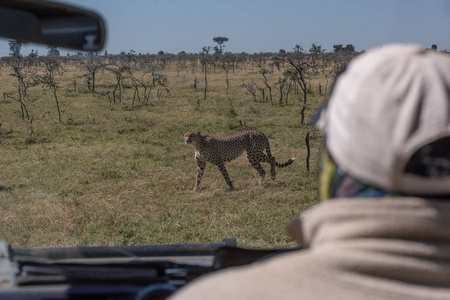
<point x="225" y="175"/>
<point x="201" y="167"/>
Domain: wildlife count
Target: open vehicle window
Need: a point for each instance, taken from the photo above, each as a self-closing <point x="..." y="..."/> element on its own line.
<point x="91" y="132"/>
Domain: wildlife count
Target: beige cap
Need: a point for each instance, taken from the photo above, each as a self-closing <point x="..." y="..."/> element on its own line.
<point x="392" y="103"/>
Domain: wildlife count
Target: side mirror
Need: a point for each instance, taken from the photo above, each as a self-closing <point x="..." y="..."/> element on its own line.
<point x="51" y="23"/>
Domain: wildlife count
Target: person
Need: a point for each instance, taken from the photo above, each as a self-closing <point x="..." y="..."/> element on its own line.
<point x="382" y="229"/>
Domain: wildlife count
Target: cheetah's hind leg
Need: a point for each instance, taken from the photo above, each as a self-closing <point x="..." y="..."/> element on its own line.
<point x="272" y="163"/>
<point x="259" y="168"/>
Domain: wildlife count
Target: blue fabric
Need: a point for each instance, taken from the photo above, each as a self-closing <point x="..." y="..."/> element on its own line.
<point x="336" y="183"/>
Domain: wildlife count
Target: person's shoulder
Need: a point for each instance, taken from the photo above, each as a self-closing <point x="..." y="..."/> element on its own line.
<point x="262" y="280"/>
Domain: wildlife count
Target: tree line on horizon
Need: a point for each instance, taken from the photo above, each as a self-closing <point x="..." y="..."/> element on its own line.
<point x="15" y="48"/>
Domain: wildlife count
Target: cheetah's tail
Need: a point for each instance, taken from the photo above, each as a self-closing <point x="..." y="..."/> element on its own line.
<point x="290" y="161"/>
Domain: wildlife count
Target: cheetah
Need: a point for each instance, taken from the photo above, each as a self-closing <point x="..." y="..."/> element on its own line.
<point x="221" y="150"/>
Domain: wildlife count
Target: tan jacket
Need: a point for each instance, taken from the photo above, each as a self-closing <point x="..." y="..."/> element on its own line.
<point x="386" y="248"/>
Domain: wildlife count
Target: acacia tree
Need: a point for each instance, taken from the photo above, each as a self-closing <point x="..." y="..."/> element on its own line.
<point x="53" y="51"/>
<point x="92" y="66"/>
<point x="14" y="48"/>
<point x="326" y="71"/>
<point x="337" y="48"/>
<point x="316" y="51"/>
<point x="23" y="82"/>
<point x="205" y="60"/>
<point x="285" y="85"/>
<point x="118" y="72"/>
<point x="52" y="66"/>
<point x="160" y="82"/>
<point x="251" y="89"/>
<point x="145" y="82"/>
<point x="226" y="64"/>
<point x="340" y="48"/>
<point x="349" y="48"/>
<point x="264" y="72"/>
<point x="33" y="54"/>
<point x="220" y="40"/>
<point x="301" y="66"/>
<point x="181" y="62"/>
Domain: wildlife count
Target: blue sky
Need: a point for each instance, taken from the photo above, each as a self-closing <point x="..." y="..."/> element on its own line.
<point x="148" y="26"/>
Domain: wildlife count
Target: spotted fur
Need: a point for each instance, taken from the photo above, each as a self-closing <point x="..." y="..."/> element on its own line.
<point x="221" y="150"/>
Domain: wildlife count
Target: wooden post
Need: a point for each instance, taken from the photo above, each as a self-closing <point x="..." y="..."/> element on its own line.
<point x="308" y="151"/>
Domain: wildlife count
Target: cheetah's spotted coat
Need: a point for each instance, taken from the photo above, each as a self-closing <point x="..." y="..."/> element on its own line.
<point x="221" y="150"/>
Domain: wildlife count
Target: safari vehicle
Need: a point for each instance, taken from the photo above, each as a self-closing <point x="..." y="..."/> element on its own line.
<point x="113" y="272"/>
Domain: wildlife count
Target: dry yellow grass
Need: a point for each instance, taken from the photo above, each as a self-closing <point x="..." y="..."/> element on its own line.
<point x="114" y="173"/>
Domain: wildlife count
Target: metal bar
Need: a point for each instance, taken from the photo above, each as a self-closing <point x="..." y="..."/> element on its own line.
<point x="125" y="251"/>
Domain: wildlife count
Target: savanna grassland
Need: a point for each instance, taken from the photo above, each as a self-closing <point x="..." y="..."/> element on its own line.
<point x="115" y="170"/>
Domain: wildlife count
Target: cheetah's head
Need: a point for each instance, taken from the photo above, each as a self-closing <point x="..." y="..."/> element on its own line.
<point x="191" y="136"/>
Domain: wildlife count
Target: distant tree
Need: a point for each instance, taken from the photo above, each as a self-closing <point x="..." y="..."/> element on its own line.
<point x="251" y="88"/>
<point x="92" y="66"/>
<point x="220" y="40"/>
<point x="298" y="48"/>
<point x="264" y="72"/>
<point x="53" y="51"/>
<point x="33" y="54"/>
<point x="349" y="48"/>
<point x="119" y="72"/>
<point x="161" y="53"/>
<point x="282" y="83"/>
<point x="434" y="47"/>
<point x="14" y="48"/>
<point x="226" y="63"/>
<point x="205" y="59"/>
<point x="315" y="51"/>
<point x="337" y="48"/>
<point x="52" y="67"/>
<point x="301" y="68"/>
<point x="327" y="72"/>
<point x="182" y="59"/>
<point x="144" y="82"/>
<point x="25" y="79"/>
<point x="282" y="51"/>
